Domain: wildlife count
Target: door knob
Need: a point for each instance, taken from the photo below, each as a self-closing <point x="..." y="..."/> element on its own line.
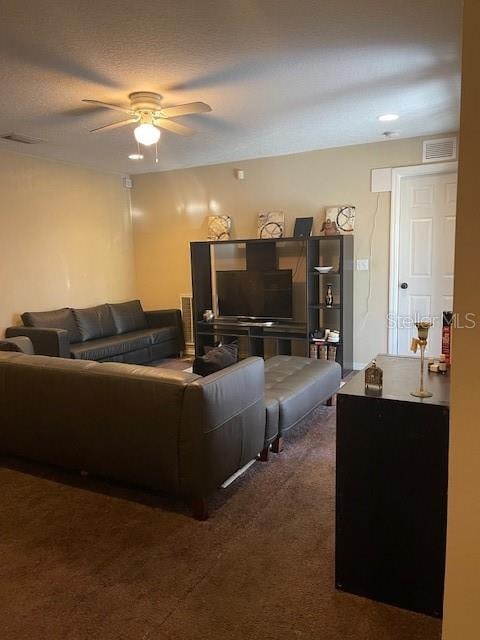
<point x="404" y="285"/>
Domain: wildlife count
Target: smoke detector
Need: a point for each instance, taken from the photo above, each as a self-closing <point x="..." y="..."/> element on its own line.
<point x="390" y="134"/>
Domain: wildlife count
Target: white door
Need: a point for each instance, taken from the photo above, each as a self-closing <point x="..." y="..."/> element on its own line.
<point x="426" y="236"/>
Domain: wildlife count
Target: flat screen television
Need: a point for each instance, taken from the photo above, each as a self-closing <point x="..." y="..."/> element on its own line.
<point x="255" y="294"/>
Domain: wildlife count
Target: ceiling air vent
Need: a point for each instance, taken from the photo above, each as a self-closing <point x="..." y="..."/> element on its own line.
<point x="440" y="150"/>
<point x="18" y="137"/>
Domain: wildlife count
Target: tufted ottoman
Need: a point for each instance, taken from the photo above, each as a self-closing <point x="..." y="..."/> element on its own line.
<point x="294" y="386"/>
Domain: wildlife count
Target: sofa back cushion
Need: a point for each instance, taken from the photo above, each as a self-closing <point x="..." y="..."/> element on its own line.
<point x="128" y="316"/>
<point x="57" y="319"/>
<point x="94" y="322"/>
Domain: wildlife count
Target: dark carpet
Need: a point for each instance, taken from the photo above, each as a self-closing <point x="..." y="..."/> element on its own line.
<point x="86" y="559"/>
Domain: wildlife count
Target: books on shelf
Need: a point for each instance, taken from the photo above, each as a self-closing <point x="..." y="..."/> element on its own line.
<point x="321" y="350"/>
<point x="313" y="350"/>
<point x="332" y="353"/>
<point x="324" y="347"/>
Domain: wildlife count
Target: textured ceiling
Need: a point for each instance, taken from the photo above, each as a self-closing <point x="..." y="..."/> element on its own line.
<point x="281" y="76"/>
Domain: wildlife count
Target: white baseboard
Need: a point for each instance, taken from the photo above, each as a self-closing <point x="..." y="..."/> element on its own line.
<point x="358" y="366"/>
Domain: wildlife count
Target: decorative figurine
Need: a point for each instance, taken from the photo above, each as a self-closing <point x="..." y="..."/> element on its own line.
<point x="329" y="296"/>
<point x="421" y="342"/>
<point x="208" y="315"/>
<point x="329" y="228"/>
<point x="373" y="378"/>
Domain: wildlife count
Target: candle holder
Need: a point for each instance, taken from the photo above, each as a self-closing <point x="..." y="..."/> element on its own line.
<point x="421" y="342"/>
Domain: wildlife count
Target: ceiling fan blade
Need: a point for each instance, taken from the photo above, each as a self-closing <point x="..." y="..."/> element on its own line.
<point x="174" y="127"/>
<point x="115" y="125"/>
<point x="115" y="107"/>
<point x="185" y="109"/>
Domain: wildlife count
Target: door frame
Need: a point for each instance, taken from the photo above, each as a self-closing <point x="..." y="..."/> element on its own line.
<point x="398" y="174"/>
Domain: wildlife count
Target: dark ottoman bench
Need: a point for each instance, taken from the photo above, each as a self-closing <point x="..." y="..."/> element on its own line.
<point x="294" y="386"/>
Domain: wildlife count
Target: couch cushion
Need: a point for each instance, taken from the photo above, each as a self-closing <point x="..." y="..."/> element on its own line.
<point x="299" y="385"/>
<point x="94" y="322"/>
<point x="128" y="316"/>
<point x="108" y="347"/>
<point x="57" y="319"/>
<point x="157" y="336"/>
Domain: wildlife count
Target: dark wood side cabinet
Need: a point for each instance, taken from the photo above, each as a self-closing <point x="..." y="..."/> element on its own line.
<point x="391" y="491"/>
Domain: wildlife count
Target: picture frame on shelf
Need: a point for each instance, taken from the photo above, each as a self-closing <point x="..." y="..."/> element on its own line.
<point x="271" y="224"/>
<point x="219" y="227"/>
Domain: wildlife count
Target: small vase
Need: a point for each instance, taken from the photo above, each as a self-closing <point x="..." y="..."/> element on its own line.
<point x="329" y="296"/>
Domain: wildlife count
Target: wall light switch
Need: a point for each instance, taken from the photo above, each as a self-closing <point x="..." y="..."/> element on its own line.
<point x="362" y="265"/>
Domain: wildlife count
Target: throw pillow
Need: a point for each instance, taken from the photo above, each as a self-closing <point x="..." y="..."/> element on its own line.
<point x="5" y="345"/>
<point x="216" y="359"/>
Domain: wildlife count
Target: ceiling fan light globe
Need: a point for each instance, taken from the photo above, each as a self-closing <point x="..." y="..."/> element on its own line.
<point x="146" y="134"/>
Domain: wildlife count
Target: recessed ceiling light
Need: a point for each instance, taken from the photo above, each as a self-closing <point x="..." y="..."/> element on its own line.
<point x="388" y="117"/>
<point x="136" y="156"/>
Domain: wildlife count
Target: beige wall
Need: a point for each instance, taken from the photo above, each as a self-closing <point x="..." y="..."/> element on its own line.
<point x="462" y="586"/>
<point x="170" y="210"/>
<point x="65" y="237"/>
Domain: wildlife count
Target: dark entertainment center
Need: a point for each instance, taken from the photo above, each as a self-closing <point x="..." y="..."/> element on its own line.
<point x="267" y="336"/>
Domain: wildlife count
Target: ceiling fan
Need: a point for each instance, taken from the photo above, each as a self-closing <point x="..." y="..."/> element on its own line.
<point x="147" y="113"/>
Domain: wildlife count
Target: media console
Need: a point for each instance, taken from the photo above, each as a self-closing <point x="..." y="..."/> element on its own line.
<point x="310" y="313"/>
<point x="257" y="338"/>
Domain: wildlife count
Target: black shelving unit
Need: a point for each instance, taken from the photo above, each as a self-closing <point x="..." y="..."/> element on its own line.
<point x="290" y="337"/>
<point x="335" y="251"/>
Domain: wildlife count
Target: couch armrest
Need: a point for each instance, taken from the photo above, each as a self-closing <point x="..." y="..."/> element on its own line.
<point x="46" y="342"/>
<point x="223" y="426"/>
<point x="167" y="318"/>
<point x="20" y="343"/>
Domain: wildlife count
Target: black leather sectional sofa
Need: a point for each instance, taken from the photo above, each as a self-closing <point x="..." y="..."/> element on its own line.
<point x="168" y="430"/>
<point x="150" y="426"/>
<point x="121" y="332"/>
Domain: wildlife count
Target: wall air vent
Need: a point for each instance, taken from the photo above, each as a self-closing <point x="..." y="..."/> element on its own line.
<point x="186" y="305"/>
<point x="440" y="150"/>
<point x="18" y="137"/>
